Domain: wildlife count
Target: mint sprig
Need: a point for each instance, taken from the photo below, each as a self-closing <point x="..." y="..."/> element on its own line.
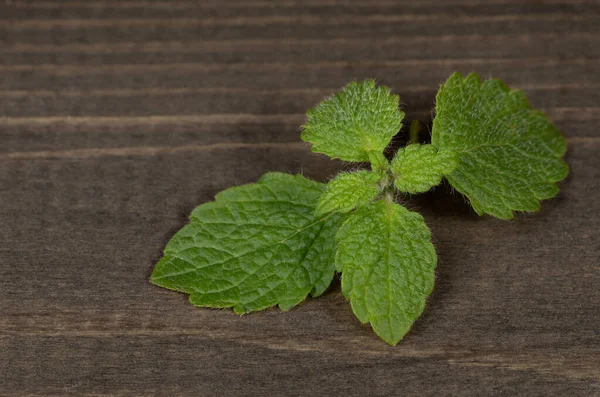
<point x="283" y="238"/>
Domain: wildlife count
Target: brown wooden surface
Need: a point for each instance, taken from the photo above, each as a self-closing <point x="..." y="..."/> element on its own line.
<point x="117" y="118"/>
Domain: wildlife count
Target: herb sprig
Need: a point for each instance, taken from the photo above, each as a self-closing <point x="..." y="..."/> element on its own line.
<point x="283" y="238"/>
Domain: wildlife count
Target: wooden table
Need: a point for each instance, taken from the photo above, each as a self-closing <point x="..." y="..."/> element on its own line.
<point x="118" y="118"/>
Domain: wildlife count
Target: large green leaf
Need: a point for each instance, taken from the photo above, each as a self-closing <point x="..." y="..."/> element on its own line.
<point x="255" y="246"/>
<point x="510" y="155"/>
<point x="387" y="263"/>
<point x="359" y="119"/>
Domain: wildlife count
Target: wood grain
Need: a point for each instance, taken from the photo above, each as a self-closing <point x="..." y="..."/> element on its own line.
<point x="117" y="118"/>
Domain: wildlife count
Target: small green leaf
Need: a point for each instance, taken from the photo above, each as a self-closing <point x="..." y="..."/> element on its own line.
<point x="359" y="119"/>
<point x="254" y="247"/>
<point x="387" y="263"/>
<point x="418" y="168"/>
<point x="379" y="163"/>
<point x="510" y="155"/>
<point x="347" y="191"/>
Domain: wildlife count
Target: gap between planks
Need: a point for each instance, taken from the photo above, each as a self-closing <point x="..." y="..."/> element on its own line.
<point x="224" y="118"/>
<point x="69" y="69"/>
<point x="556" y="113"/>
<point x="187" y="4"/>
<point x="128" y="92"/>
<point x="45" y="24"/>
<point x="144" y="150"/>
<point x="192" y="46"/>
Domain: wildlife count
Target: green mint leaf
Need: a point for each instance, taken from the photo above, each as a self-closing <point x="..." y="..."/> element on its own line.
<point x="254" y="247"/>
<point x="510" y="155"/>
<point x="359" y="119"/>
<point x="418" y="168"/>
<point x="379" y="163"/>
<point x="348" y="191"/>
<point x="387" y="263"/>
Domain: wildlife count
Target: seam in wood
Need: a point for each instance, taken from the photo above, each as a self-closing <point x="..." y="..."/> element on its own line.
<point x="186" y="4"/>
<point x="226" y="45"/>
<point x="583" y="113"/>
<point x="129" y="92"/>
<point x="223" y="118"/>
<point x="45" y="24"/>
<point x="144" y="150"/>
<point x="83" y="69"/>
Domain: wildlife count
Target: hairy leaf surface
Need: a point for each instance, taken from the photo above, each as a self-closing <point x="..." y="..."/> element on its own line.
<point x="379" y="162"/>
<point x="387" y="263"/>
<point x="360" y="118"/>
<point x="510" y="155"/>
<point x="418" y="168"/>
<point x="347" y="191"/>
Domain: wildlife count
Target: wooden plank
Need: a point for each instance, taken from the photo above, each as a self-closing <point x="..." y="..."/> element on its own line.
<point x="267" y="103"/>
<point x="181" y="365"/>
<point x="118" y="118"/>
<point x="154" y="9"/>
<point x="548" y="45"/>
<point x="27" y="136"/>
<point x="295" y="76"/>
<point x="348" y="26"/>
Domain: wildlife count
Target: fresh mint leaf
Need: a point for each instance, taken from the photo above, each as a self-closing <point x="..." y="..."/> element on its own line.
<point x="254" y="247"/>
<point x="418" y="168"/>
<point x="387" y="263"/>
<point x="379" y="163"/>
<point x="357" y="120"/>
<point x="510" y="155"/>
<point x="347" y="191"/>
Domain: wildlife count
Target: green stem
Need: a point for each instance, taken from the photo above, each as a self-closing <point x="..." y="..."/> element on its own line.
<point x="415" y="128"/>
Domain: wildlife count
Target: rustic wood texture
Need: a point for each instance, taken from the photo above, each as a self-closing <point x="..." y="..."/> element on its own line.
<point x="118" y="118"/>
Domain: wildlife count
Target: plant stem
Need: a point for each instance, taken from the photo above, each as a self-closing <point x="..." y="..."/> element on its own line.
<point x="415" y="128"/>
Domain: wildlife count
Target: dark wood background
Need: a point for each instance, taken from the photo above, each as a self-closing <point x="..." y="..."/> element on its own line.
<point x="118" y="118"/>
